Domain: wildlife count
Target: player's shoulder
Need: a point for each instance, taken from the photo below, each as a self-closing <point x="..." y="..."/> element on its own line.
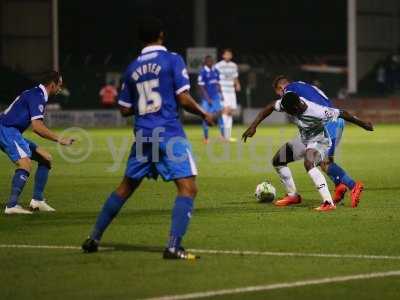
<point x="297" y="85"/>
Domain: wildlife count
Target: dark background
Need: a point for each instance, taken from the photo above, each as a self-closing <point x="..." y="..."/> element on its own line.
<point x="309" y="27"/>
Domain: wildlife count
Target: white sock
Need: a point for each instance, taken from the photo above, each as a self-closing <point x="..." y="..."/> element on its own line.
<point x="321" y="185"/>
<point x="287" y="180"/>
<point x="227" y="128"/>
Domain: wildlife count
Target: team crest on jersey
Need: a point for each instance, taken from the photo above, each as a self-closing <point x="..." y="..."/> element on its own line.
<point x="185" y="73"/>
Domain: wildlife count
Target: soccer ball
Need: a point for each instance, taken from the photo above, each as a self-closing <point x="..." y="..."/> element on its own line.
<point x="265" y="192"/>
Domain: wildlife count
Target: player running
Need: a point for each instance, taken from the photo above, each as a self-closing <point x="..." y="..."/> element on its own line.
<point x="293" y="150"/>
<point x="26" y="110"/>
<point x="210" y="88"/>
<point x="229" y="80"/>
<point x="155" y="85"/>
<point x="311" y="119"/>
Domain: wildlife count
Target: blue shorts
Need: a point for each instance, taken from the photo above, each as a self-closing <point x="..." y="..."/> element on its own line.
<point x="214" y="107"/>
<point x="171" y="159"/>
<point x="335" y="130"/>
<point x="14" y="144"/>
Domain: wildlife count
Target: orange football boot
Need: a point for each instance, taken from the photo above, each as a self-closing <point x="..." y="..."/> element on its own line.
<point x="356" y="194"/>
<point x="340" y="191"/>
<point x="206" y="141"/>
<point x="326" y="206"/>
<point x="288" y="200"/>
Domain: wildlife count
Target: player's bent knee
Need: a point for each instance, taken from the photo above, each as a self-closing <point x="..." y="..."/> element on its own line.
<point x="25" y="163"/>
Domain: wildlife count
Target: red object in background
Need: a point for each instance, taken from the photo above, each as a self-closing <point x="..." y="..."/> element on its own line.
<point x="108" y="95"/>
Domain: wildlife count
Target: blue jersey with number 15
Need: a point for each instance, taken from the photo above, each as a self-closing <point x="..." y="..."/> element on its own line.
<point x="150" y="86"/>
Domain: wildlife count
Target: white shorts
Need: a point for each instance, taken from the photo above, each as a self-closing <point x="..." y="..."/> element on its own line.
<point x="229" y="100"/>
<point x="299" y="148"/>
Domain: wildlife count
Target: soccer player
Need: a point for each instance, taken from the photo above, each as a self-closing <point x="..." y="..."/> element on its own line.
<point x="292" y="150"/>
<point x="28" y="110"/>
<point x="210" y="89"/>
<point x="155" y="85"/>
<point x="311" y="119"/>
<point x="229" y="80"/>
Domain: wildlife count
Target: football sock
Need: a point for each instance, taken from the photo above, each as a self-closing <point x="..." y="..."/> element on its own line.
<point x="287" y="179"/>
<point x="320" y="184"/>
<point x="221" y="125"/>
<point x="338" y="175"/>
<point x="205" y="130"/>
<point x="41" y="176"/>
<point x="227" y="126"/>
<point x="181" y="214"/>
<point x="17" y="185"/>
<point x="110" y="209"/>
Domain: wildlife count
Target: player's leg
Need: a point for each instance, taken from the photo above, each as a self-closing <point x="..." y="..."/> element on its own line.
<point x="206" y="107"/>
<point x="313" y="158"/>
<point x="229" y="107"/>
<point x="138" y="166"/>
<point x="181" y="215"/>
<point x="44" y="159"/>
<point x="13" y="144"/>
<point x="338" y="175"/>
<point x="113" y="205"/>
<point x="176" y="163"/>
<point x="21" y="175"/>
<point x="289" y="152"/>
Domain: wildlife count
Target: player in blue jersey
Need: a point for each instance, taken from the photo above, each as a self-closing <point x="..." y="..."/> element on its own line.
<point x="294" y="150"/>
<point x="155" y="85"/>
<point x="210" y="89"/>
<point x="28" y="110"/>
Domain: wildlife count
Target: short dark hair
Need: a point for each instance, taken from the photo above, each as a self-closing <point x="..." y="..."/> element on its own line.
<point x="226" y="50"/>
<point x="290" y="100"/>
<point x="49" y="76"/>
<point x="150" y="29"/>
<point x="278" y="79"/>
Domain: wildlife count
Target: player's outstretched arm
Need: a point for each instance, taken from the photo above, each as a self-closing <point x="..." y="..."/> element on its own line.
<point x="353" y="119"/>
<point x="40" y="129"/>
<point x="190" y="105"/>
<point x="264" y="113"/>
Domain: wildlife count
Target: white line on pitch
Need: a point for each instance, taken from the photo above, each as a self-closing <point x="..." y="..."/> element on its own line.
<point x="276" y="286"/>
<point x="295" y="254"/>
<point x="50" y="247"/>
<point x="228" y="252"/>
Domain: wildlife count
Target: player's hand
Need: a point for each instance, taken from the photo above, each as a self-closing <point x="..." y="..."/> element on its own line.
<point x="368" y="126"/>
<point x="209" y="118"/>
<point x="250" y="132"/>
<point x="66" y="141"/>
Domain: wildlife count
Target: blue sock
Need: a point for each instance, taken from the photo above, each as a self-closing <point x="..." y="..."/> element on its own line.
<point x="338" y="175"/>
<point x="110" y="209"/>
<point x="41" y="176"/>
<point x="181" y="214"/>
<point x="205" y="130"/>
<point x="221" y="125"/>
<point x="19" y="180"/>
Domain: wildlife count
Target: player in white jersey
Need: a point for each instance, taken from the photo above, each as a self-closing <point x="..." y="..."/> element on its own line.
<point x="229" y="81"/>
<point x="310" y="118"/>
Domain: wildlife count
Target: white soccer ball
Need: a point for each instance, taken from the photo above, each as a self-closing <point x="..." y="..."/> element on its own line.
<point x="265" y="192"/>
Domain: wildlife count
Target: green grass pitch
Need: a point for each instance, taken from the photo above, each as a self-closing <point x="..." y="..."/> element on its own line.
<point x="226" y="217"/>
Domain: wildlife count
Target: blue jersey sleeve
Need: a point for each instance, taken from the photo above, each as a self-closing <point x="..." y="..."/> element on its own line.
<point x="36" y="106"/>
<point x="181" y="76"/>
<point x="125" y="97"/>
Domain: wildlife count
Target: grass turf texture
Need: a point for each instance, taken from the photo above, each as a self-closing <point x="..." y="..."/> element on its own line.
<point x="227" y="217"/>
